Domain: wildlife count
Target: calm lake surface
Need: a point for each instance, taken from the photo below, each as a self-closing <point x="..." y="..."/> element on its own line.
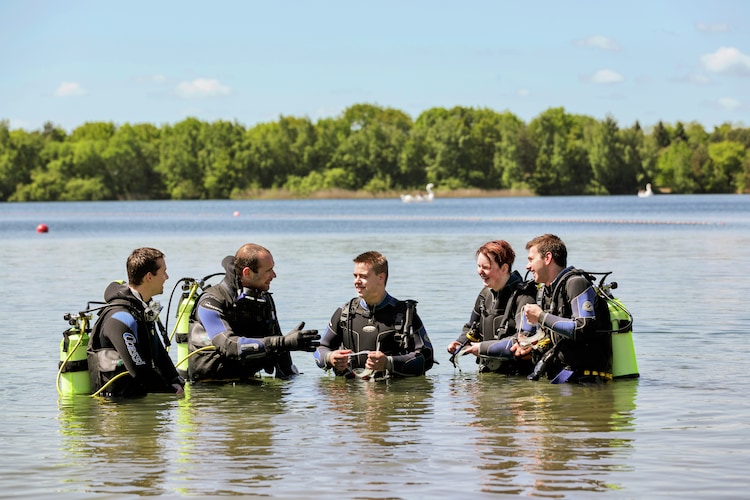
<point x="681" y="430"/>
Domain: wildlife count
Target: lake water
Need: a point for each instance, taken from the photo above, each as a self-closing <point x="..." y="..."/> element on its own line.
<point x="681" y="430"/>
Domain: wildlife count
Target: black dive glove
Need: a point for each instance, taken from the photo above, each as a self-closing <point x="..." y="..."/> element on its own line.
<point x="296" y="340"/>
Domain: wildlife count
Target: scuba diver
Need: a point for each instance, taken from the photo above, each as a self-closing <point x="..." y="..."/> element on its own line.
<point x="125" y="338"/>
<point x="490" y="333"/>
<point x="374" y="335"/>
<point x="234" y="331"/>
<point x="565" y="311"/>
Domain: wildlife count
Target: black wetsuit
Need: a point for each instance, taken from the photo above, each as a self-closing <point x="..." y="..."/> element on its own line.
<point x="570" y="319"/>
<point x="235" y="322"/>
<point x="378" y="329"/>
<point x="122" y="339"/>
<point x="495" y="314"/>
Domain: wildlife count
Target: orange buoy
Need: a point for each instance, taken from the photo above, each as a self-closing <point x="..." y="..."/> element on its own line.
<point x="236" y="214"/>
<point x="42" y="228"/>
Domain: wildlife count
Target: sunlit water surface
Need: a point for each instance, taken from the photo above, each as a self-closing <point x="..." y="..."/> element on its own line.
<point x="680" y="430"/>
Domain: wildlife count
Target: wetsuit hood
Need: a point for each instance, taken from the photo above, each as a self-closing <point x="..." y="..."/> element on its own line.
<point x="515" y="277"/>
<point x="231" y="280"/>
<point x="119" y="290"/>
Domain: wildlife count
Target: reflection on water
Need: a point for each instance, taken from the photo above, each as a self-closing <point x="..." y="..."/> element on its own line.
<point x="222" y="421"/>
<point x="679" y="430"/>
<point x="119" y="446"/>
<point x="542" y="438"/>
<point x="368" y="439"/>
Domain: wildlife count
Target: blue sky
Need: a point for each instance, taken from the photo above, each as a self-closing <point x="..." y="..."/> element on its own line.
<point x="71" y="62"/>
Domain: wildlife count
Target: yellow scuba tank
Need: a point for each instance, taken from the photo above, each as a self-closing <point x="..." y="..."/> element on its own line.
<point x="624" y="364"/>
<point x="73" y="371"/>
<point x="182" y="328"/>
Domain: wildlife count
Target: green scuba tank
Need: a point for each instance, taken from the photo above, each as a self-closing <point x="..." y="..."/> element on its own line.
<point x="624" y="364"/>
<point x="73" y="374"/>
<point x="182" y="330"/>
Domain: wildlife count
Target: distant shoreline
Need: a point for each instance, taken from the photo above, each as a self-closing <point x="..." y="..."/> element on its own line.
<point x="332" y="194"/>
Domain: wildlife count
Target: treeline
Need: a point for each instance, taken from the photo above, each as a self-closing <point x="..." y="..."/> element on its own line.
<point x="374" y="149"/>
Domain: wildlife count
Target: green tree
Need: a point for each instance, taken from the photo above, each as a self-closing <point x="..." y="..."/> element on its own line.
<point x="93" y="131"/>
<point x="632" y="154"/>
<point x="130" y="162"/>
<point x="69" y="170"/>
<point x="607" y="157"/>
<point x="673" y="167"/>
<point x="218" y="158"/>
<point x="662" y="135"/>
<point x="460" y="147"/>
<point x="272" y="152"/>
<point x="412" y="164"/>
<point x="489" y="160"/>
<point x="727" y="160"/>
<point x="562" y="166"/>
<point x="178" y="160"/>
<point x="514" y="155"/>
<point x="696" y="135"/>
<point x="679" y="134"/>
<point x="648" y="151"/>
<point x="19" y="157"/>
<point x="373" y="140"/>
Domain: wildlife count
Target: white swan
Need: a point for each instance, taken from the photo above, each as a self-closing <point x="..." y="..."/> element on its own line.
<point x="647" y="193"/>
<point x="417" y="198"/>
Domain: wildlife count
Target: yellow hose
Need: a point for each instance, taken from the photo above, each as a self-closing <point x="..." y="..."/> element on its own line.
<point x="207" y="348"/>
<point x="119" y="375"/>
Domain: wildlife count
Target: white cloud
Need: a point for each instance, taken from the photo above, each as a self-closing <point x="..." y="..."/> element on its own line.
<point x="727" y="60"/>
<point x="68" y="89"/>
<point x="600" y="42"/>
<point x="729" y="103"/>
<point x="202" y="87"/>
<point x="605" y="77"/>
<point x="523" y="93"/>
<point x="712" y="28"/>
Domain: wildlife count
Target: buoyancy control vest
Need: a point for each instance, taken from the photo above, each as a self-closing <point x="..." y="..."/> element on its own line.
<point x="391" y="334"/>
<point x="498" y="315"/>
<point x="251" y="316"/>
<point x="593" y="354"/>
<point x="105" y="363"/>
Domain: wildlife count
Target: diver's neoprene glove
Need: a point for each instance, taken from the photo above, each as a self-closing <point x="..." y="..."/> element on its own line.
<point x="296" y="340"/>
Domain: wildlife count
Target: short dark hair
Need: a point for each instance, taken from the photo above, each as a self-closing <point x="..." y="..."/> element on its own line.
<point x="498" y="250"/>
<point x="248" y="256"/>
<point x="377" y="261"/>
<point x="552" y="244"/>
<point x="141" y="262"/>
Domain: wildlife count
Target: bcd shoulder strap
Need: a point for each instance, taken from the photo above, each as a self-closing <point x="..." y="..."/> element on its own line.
<point x="602" y="302"/>
<point x="508" y="318"/>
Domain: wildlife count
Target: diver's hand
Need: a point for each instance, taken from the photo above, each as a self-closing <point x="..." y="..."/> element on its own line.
<point x="523" y="352"/>
<point x="454" y="346"/>
<point x="339" y="359"/>
<point x="532" y="313"/>
<point x="301" y="340"/>
<point x="296" y="340"/>
<point x="471" y="348"/>
<point x="376" y="361"/>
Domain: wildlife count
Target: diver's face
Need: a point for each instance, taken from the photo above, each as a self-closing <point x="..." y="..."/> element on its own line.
<point x="493" y="275"/>
<point x="369" y="286"/>
<point x="262" y="279"/>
